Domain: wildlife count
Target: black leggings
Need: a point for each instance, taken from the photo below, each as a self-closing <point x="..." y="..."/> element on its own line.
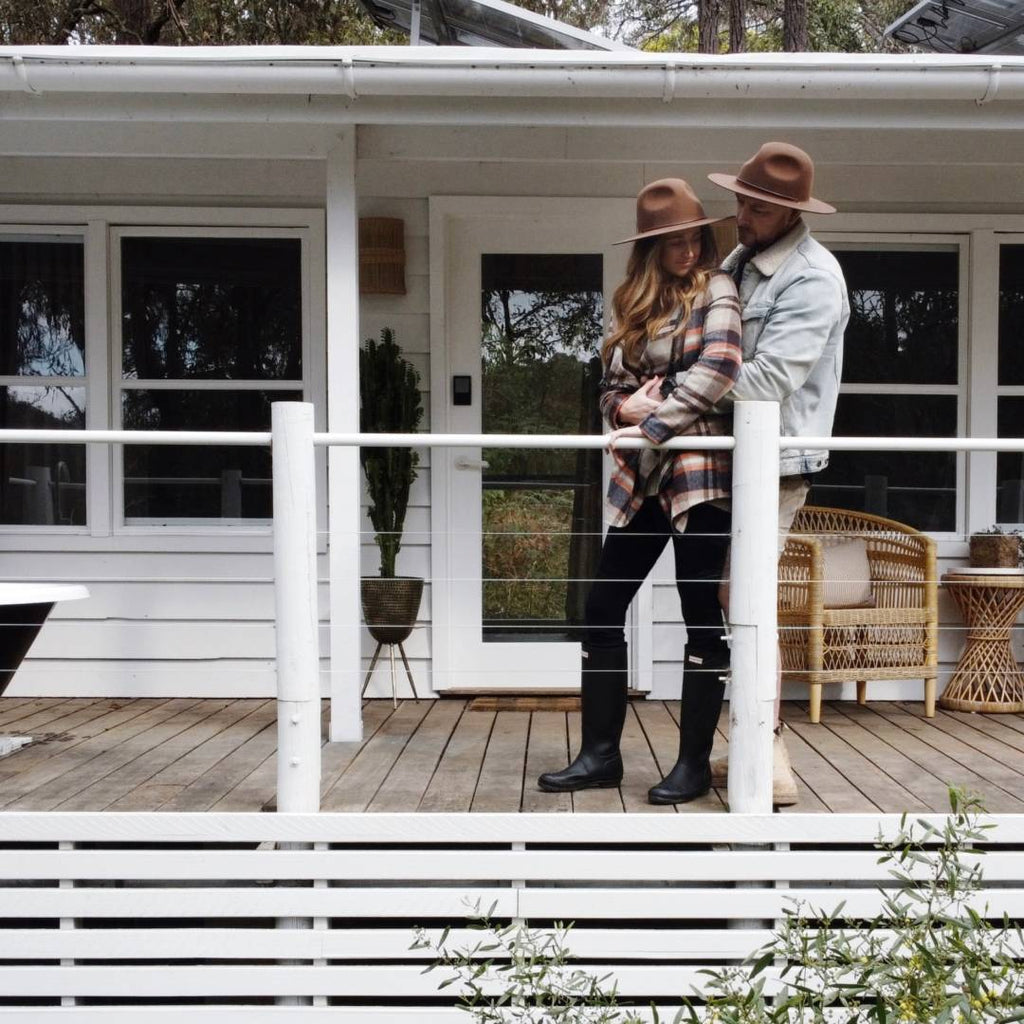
<point x="629" y="554"/>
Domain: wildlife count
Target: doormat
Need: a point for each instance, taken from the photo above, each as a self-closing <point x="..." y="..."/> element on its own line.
<point x="511" y="703"/>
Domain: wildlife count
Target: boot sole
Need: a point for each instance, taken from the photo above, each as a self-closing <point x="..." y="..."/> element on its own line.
<point x="604" y="784"/>
<point x="683" y="798"/>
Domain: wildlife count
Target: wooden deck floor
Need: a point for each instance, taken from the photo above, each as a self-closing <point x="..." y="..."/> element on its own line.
<point x="219" y="755"/>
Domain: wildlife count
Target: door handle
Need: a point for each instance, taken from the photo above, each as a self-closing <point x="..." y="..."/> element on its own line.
<point x="463" y="463"/>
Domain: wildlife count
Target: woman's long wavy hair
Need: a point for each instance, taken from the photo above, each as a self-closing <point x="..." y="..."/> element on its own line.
<point x="649" y="296"/>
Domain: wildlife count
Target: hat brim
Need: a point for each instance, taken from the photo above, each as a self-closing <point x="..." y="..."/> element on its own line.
<point x="733" y="184"/>
<point x="671" y="229"/>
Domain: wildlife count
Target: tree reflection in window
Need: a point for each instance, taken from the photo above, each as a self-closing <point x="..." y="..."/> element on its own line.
<point x="42" y="345"/>
<point x="903" y="330"/>
<point x="541" y="323"/>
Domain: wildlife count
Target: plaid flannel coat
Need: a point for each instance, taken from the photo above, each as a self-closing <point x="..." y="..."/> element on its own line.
<point x="703" y="360"/>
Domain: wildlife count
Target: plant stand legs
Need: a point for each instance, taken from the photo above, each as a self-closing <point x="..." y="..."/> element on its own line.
<point x="394" y="671"/>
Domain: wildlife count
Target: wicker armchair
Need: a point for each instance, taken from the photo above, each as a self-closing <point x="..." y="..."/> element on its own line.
<point x="897" y="638"/>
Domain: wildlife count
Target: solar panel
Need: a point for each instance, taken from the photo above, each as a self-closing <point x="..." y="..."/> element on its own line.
<point x="481" y="23"/>
<point x="963" y="26"/>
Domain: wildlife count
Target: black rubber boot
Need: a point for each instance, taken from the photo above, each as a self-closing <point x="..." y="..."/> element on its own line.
<point x="703" y="688"/>
<point x="603" y="712"/>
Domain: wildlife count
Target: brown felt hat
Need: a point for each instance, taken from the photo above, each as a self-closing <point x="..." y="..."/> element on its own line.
<point x="777" y="173"/>
<point x="666" y="206"/>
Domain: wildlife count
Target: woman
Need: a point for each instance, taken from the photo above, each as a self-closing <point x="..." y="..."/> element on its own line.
<point x="672" y="352"/>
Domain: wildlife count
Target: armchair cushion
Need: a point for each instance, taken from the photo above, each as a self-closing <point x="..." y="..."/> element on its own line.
<point x="847" y="575"/>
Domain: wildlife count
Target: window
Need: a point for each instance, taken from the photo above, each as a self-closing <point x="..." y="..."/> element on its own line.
<point x="900" y="378"/>
<point x="1010" y="401"/>
<point x="42" y="377"/>
<point x="211" y="335"/>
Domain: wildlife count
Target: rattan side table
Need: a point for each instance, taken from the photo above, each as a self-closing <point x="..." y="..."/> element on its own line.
<point x="987" y="677"/>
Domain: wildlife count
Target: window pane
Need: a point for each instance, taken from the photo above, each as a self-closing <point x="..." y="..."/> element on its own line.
<point x="208" y="308"/>
<point x="42" y="484"/>
<point x="914" y="487"/>
<point x="903" y="317"/>
<point x="1011" y="315"/>
<point x="42" y="307"/>
<point x="1010" y="465"/>
<point x="541" y="323"/>
<point x="193" y="481"/>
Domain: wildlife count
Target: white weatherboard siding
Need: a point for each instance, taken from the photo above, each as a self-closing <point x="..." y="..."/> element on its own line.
<point x="195" y="616"/>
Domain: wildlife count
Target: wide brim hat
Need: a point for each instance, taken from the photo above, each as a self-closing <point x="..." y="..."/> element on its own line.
<point x="777" y="173"/>
<point x="666" y="206"/>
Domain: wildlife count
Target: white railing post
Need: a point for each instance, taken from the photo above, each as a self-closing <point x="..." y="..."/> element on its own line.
<point x="752" y="605"/>
<point x="298" y="650"/>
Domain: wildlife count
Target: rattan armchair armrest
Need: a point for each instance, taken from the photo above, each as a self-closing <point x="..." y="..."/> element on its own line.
<point x="801" y="573"/>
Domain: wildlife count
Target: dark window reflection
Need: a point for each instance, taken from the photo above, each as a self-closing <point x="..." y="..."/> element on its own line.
<point x="1011" y="315"/>
<point x="194" y="481"/>
<point x="207" y="308"/>
<point x="903" y="317"/>
<point x="42" y="308"/>
<point x="918" y="488"/>
<point x="1010" y="465"/>
<point x="42" y="484"/>
<point x="541" y="323"/>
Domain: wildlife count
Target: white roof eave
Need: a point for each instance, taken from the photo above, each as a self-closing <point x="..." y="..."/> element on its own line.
<point x="498" y="72"/>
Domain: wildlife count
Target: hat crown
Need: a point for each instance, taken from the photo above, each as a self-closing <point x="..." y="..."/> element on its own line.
<point x="780" y="169"/>
<point x="667" y="203"/>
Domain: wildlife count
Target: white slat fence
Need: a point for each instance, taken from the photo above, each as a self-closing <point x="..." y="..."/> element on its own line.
<point x="177" y="916"/>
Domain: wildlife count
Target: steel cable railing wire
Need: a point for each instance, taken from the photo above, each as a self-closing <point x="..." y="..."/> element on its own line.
<point x="422" y="538"/>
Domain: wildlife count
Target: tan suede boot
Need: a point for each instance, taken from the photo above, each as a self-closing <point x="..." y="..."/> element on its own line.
<point x="784" y="788"/>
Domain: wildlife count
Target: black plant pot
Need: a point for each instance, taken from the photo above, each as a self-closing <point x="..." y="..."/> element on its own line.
<point x="390" y="606"/>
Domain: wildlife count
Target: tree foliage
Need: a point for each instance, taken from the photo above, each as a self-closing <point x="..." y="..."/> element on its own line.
<point x="661" y="25"/>
<point x="848" y="26"/>
<point x="189" y="22"/>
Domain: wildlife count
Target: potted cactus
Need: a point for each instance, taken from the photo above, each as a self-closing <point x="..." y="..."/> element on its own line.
<point x="389" y="403"/>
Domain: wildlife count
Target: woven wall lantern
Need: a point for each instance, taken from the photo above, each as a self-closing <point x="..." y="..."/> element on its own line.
<point x="381" y="256"/>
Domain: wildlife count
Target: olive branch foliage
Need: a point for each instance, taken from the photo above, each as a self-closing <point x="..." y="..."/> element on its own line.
<point x="931" y="954"/>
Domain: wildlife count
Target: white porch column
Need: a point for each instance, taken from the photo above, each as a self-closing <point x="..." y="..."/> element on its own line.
<point x="298" y="649"/>
<point x="344" y="477"/>
<point x="752" y="605"/>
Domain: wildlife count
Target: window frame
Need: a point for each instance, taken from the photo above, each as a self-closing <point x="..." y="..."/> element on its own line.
<point x="97" y="224"/>
<point x="906" y="241"/>
<point x="87" y="381"/>
<point x="118" y="384"/>
<point x="1000" y="391"/>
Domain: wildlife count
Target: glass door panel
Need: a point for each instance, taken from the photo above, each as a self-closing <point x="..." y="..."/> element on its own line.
<point x="541" y="326"/>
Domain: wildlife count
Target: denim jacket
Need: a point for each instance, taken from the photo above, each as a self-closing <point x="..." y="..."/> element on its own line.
<point x="795" y="309"/>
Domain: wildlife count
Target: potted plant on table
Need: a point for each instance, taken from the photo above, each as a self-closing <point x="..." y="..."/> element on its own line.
<point x="996" y="549"/>
<point x="389" y="403"/>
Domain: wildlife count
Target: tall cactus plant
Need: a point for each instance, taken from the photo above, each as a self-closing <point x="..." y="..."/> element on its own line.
<point x="389" y="392"/>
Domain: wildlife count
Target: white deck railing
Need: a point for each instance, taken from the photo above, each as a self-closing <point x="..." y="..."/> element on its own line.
<point x="752" y="613"/>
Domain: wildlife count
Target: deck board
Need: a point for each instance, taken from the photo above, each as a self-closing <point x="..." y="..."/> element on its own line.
<point x="500" y="784"/>
<point x="188" y="754"/>
<point x="454" y="782"/>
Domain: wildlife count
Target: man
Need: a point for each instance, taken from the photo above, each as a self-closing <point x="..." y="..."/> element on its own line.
<point x="795" y="309"/>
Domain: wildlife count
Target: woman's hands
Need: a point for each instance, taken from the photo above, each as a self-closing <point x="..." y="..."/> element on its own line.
<point x="640" y="404"/>
<point x="615" y="435"/>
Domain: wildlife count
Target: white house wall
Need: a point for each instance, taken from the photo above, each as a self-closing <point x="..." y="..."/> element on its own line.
<point x="173" y="613"/>
<point x="141" y="633"/>
<point x="972" y="174"/>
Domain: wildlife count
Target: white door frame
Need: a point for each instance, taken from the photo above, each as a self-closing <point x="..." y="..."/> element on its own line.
<point x="455" y="666"/>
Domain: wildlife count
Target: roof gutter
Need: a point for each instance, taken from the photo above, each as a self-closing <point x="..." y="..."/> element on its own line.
<point x="493" y="73"/>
